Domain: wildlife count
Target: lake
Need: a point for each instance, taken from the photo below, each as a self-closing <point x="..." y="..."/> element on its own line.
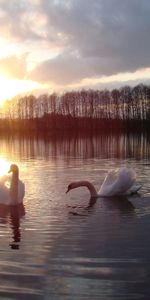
<point x="63" y="246"/>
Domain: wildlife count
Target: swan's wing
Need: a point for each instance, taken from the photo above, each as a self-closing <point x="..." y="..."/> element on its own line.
<point x="134" y="189"/>
<point x="107" y="187"/>
<point x="126" y="179"/>
<point x="21" y="191"/>
<point x="4" y="194"/>
<point x="117" y="182"/>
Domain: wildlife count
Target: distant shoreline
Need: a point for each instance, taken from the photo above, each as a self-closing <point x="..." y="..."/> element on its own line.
<point x="120" y="110"/>
<point x="59" y="123"/>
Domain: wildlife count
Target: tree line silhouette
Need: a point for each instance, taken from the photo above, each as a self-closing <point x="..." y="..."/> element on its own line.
<point x="127" y="108"/>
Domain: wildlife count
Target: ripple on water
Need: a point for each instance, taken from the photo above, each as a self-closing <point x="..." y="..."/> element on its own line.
<point x="65" y="249"/>
<point x="20" y="280"/>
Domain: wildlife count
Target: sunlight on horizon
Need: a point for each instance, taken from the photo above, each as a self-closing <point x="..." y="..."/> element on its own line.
<point x="11" y="87"/>
<point x="15" y="87"/>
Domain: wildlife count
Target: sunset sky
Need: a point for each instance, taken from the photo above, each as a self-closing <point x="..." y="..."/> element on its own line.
<point x="58" y="45"/>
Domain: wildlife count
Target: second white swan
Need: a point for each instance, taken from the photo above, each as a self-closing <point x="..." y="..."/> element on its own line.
<point x="118" y="182"/>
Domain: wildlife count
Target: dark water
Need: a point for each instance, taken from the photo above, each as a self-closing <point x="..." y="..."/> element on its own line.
<point x="66" y="246"/>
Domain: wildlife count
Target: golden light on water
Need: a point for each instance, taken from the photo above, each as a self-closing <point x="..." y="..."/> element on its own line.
<point x="4" y="167"/>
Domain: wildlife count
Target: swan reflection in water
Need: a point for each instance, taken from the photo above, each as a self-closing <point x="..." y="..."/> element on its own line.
<point x="121" y="204"/>
<point x="16" y="212"/>
<point x="12" y="214"/>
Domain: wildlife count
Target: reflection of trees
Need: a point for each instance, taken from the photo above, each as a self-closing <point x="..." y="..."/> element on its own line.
<point x="81" y="145"/>
<point x="120" y="107"/>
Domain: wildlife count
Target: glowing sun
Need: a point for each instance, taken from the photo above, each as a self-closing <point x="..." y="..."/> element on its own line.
<point x="12" y="87"/>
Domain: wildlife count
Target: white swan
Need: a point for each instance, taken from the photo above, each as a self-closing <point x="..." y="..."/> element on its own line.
<point x="15" y="194"/>
<point x="118" y="182"/>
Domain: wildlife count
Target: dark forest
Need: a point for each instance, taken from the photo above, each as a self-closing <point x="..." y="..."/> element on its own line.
<point x="124" y="109"/>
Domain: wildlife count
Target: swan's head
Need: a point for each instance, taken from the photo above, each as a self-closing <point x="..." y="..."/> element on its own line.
<point x="14" y="169"/>
<point x="70" y="187"/>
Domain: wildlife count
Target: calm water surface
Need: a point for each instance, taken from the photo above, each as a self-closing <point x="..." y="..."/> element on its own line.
<point x="65" y="246"/>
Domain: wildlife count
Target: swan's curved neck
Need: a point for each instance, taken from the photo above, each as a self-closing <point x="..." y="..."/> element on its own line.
<point x="87" y="184"/>
<point x="14" y="188"/>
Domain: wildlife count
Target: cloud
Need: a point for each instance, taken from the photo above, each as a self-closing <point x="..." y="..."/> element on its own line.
<point x="14" y="67"/>
<point x="63" y="69"/>
<point x="94" y="38"/>
<point x="20" y="20"/>
<point x="100" y="38"/>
